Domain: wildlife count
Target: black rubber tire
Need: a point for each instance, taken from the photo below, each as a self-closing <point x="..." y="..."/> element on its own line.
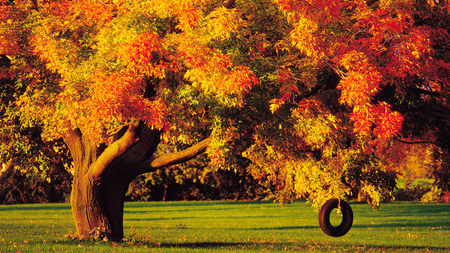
<point x="324" y="218"/>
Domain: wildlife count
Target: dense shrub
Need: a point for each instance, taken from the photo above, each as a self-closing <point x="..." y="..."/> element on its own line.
<point x="446" y="197"/>
<point x="426" y="192"/>
<point x="433" y="196"/>
<point x="414" y="193"/>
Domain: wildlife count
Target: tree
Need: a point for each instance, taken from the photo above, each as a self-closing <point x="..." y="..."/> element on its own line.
<point x="32" y="170"/>
<point x="305" y="92"/>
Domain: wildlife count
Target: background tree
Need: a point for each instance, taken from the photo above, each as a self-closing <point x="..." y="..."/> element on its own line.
<point x="304" y="92"/>
<point x="32" y="170"/>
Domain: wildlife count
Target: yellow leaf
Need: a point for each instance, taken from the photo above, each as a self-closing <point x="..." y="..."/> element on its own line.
<point x="274" y="107"/>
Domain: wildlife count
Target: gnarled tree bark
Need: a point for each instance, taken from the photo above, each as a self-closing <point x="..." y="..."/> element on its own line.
<point x="102" y="176"/>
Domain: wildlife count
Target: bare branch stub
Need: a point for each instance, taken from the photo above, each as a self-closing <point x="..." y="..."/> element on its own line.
<point x="229" y="4"/>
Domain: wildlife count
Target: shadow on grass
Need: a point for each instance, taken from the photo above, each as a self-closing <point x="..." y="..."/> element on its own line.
<point x="301" y="246"/>
<point x="288" y="228"/>
<point x="160" y="218"/>
<point x="194" y="203"/>
<point x="276" y="228"/>
<point x="197" y="203"/>
<point x="36" y="207"/>
<point x="407" y="223"/>
<point x="256" y="245"/>
<point x="406" y="209"/>
<point x="193" y="206"/>
<point x="137" y="242"/>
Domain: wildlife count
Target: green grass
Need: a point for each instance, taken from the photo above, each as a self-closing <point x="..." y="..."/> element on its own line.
<point x="231" y="226"/>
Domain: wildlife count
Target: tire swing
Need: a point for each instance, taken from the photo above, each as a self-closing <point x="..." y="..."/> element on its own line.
<point x="324" y="217"/>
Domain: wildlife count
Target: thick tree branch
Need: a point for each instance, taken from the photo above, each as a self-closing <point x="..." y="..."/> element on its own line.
<point x="34" y="4"/>
<point x="80" y="149"/>
<point x="370" y="2"/>
<point x="310" y="93"/>
<point x="426" y="92"/>
<point x="181" y="156"/>
<point x="72" y="139"/>
<point x="416" y="142"/>
<point x="329" y="83"/>
<point x="173" y="158"/>
<point x="114" y="150"/>
<point x="229" y="4"/>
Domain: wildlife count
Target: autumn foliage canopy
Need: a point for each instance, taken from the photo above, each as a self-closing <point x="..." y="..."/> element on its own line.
<point x="308" y="95"/>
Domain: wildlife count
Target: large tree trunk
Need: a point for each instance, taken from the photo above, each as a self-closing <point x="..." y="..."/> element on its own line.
<point x="98" y="207"/>
<point x="102" y="176"/>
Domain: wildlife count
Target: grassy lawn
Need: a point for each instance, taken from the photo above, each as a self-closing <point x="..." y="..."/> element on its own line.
<point x="232" y="226"/>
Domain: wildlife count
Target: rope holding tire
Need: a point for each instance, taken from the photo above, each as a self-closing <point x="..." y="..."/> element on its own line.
<point x="324" y="217"/>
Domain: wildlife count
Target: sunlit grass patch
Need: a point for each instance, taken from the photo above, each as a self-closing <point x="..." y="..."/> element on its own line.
<point x="224" y="226"/>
